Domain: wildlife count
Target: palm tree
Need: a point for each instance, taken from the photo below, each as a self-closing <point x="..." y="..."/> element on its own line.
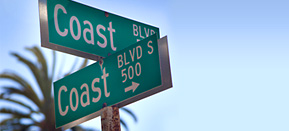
<point x="27" y="116"/>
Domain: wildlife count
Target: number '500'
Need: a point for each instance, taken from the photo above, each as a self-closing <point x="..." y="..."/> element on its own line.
<point x="131" y="71"/>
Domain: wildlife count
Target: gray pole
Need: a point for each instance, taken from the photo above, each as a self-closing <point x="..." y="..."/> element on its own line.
<point x="110" y="120"/>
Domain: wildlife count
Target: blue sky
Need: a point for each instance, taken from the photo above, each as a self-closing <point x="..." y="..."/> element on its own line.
<point x="229" y="60"/>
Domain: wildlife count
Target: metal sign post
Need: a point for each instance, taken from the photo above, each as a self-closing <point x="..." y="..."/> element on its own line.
<point x="110" y="120"/>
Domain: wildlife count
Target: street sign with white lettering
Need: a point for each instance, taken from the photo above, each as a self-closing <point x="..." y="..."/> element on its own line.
<point x="131" y="74"/>
<point x="88" y="32"/>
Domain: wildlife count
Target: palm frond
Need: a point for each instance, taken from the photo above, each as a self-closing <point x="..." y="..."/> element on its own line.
<point x="130" y="112"/>
<point x="10" y="120"/>
<point x="47" y="81"/>
<point x="40" y="58"/>
<point x="17" y="102"/>
<point x="14" y="112"/>
<point x="27" y="88"/>
<point x="7" y="91"/>
<point x="44" y="85"/>
<point x="17" y="79"/>
<point x="124" y="124"/>
<point x="84" y="64"/>
<point x="17" y="114"/>
<point x="15" y="124"/>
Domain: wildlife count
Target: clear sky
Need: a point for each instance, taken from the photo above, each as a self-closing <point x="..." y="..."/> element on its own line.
<point x="229" y="60"/>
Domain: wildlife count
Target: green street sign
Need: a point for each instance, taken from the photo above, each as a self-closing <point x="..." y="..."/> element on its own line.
<point x="129" y="75"/>
<point x="77" y="29"/>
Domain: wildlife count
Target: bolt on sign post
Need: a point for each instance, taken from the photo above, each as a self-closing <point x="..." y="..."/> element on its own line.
<point x="129" y="75"/>
<point x="77" y="29"/>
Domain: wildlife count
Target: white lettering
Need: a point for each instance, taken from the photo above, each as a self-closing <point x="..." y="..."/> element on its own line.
<point x="63" y="113"/>
<point x="76" y="31"/>
<point x="123" y="74"/>
<point x="76" y="37"/>
<point x="125" y="63"/>
<point x="57" y="7"/>
<point x="84" y="93"/>
<point x="147" y="32"/>
<point x="111" y="30"/>
<point x="135" y="30"/>
<point x="138" y="52"/>
<point x="140" y="32"/>
<point x="132" y="54"/>
<point x="86" y="30"/>
<point x="119" y="61"/>
<point x="130" y="72"/>
<point x="102" y="45"/>
<point x="73" y="108"/>
<point x="138" y="71"/>
<point x="152" y="32"/>
<point x="104" y="82"/>
<point x="96" y="89"/>
<point x="152" y="49"/>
